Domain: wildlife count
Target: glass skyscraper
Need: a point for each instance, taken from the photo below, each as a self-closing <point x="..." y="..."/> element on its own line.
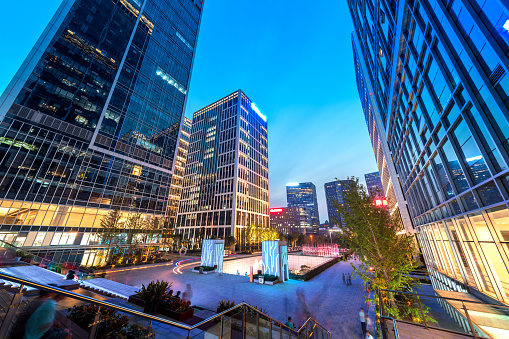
<point x="90" y="122"/>
<point x="432" y="78"/>
<point x="226" y="181"/>
<point x="304" y="195"/>
<point x="374" y="184"/>
<point x="334" y="192"/>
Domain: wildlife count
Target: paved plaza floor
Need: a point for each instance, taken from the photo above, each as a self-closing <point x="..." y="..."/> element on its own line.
<point x="325" y="297"/>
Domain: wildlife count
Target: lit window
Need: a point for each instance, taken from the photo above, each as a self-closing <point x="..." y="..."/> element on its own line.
<point x="137" y="170"/>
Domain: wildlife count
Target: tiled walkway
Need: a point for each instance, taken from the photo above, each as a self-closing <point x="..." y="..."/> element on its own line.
<point x="325" y="297"/>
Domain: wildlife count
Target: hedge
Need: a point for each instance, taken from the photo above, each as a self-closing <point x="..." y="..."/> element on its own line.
<point x="267" y="277"/>
<point x="315" y="271"/>
<point x="205" y="268"/>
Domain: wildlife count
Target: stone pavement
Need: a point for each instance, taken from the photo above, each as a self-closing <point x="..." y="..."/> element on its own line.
<point x="325" y="297"/>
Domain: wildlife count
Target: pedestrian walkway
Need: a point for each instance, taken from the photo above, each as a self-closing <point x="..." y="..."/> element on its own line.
<point x="325" y="297"/>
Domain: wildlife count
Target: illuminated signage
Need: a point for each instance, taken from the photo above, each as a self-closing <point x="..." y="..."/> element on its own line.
<point x="381" y="202"/>
<point x="292" y="184"/>
<point x="276" y="210"/>
<point x="257" y="110"/>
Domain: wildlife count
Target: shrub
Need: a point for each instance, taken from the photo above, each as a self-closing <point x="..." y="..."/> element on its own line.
<point x="176" y="304"/>
<point x="112" y="324"/>
<point x="268" y="277"/>
<point x="205" y="268"/>
<point x="155" y="290"/>
<point x="224" y="305"/>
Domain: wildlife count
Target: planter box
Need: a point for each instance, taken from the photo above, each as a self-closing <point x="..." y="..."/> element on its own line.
<point x="177" y="316"/>
<point x="270" y="282"/>
<point x="204" y="272"/>
<point x="136" y="301"/>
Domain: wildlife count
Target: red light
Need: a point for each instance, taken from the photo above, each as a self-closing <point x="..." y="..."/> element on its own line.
<point x="384" y="202"/>
<point x="276" y="210"/>
<point x="378" y="202"/>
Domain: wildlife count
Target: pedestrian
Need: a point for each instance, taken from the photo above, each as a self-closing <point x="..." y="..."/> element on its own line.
<point x="289" y="323"/>
<point x="368" y="335"/>
<point x="362" y="317"/>
<point x="349" y="279"/>
<point x="42" y="321"/>
<point x="188" y="293"/>
<point x="344" y="279"/>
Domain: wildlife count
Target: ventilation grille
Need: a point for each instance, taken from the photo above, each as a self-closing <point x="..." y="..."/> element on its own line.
<point x="497" y="74"/>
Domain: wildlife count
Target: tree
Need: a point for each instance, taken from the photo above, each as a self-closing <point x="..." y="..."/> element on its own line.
<point x="133" y="227"/>
<point x="111" y="230"/>
<point x="386" y="253"/>
<point x="229" y="241"/>
<point x="152" y="232"/>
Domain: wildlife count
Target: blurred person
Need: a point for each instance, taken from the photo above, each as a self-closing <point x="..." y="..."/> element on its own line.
<point x="188" y="293"/>
<point x="362" y="316"/>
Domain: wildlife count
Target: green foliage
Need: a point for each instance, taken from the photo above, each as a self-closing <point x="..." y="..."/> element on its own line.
<point x="386" y="252"/>
<point x="267" y="277"/>
<point x="111" y="229"/>
<point x="175" y="304"/>
<point x="155" y="290"/>
<point x="229" y="241"/>
<point x="224" y="305"/>
<point x="204" y="268"/>
<point x="304" y="268"/>
<point x="256" y="234"/>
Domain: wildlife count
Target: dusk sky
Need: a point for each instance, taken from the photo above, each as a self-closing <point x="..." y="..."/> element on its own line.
<point x="293" y="58"/>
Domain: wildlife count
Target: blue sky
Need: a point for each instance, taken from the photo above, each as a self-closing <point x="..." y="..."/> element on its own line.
<point x="292" y="57"/>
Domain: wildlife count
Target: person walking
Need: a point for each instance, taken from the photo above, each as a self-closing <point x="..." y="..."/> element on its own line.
<point x="362" y="316"/>
<point x="349" y="279"/>
<point x="344" y="279"/>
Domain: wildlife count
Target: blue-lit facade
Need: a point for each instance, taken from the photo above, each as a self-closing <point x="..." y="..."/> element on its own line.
<point x="91" y="120"/>
<point x="374" y="185"/>
<point x="304" y="195"/>
<point x="226" y="181"/>
<point x="432" y="76"/>
<point x="334" y="193"/>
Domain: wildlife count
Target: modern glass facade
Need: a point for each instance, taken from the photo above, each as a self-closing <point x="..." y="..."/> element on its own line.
<point x="334" y="192"/>
<point x="304" y="195"/>
<point x="374" y="184"/>
<point x="226" y="181"/>
<point x="91" y="120"/>
<point x="290" y="219"/>
<point x="433" y="73"/>
<point x="178" y="174"/>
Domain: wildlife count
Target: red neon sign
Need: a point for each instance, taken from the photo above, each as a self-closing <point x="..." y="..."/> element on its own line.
<point x="381" y="202"/>
<point x="276" y="210"/>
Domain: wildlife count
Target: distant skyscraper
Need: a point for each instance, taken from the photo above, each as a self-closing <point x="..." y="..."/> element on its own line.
<point x="90" y="122"/>
<point x="226" y="181"/>
<point x="290" y="219"/>
<point x="178" y="175"/>
<point x="374" y="184"/>
<point x="304" y="195"/>
<point x="433" y="82"/>
<point x="334" y="192"/>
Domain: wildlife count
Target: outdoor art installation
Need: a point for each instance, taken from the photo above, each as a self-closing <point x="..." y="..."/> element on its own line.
<point x="212" y="253"/>
<point x="275" y="259"/>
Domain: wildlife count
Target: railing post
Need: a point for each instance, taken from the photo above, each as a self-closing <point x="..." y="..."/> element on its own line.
<point x="281" y="331"/>
<point x="422" y="313"/>
<point x="11" y="312"/>
<point x="469" y="321"/>
<point x="188" y="334"/>
<point x="150" y="330"/>
<point x="221" y="328"/>
<point x="95" y="324"/>
<point x="244" y="322"/>
<point x="270" y="329"/>
<point x="257" y="326"/>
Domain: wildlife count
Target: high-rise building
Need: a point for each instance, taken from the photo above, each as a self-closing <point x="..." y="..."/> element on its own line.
<point x="334" y="193"/>
<point x="90" y="122"/>
<point x="290" y="219"/>
<point x="374" y="185"/>
<point x="178" y="174"/>
<point x="226" y="181"/>
<point x="304" y="195"/>
<point x="432" y="78"/>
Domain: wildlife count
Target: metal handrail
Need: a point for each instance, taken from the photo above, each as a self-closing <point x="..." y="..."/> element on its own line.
<point x="393" y="325"/>
<point x="94" y="301"/>
<point x="446" y="298"/>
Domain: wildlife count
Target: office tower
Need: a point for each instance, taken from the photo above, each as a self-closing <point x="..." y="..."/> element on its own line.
<point x="374" y="185"/>
<point x="86" y="123"/>
<point x="226" y="181"/>
<point x="334" y="192"/>
<point x="303" y="195"/>
<point x="290" y="219"/>
<point x="178" y="174"/>
<point x="432" y="78"/>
